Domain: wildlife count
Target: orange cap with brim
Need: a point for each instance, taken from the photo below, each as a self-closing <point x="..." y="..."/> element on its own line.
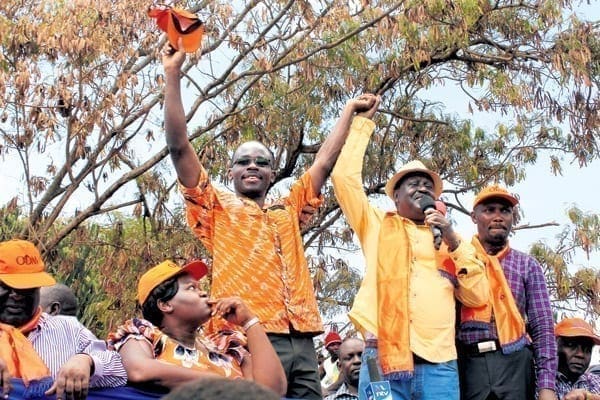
<point x="21" y="265"/>
<point x="576" y="327"/>
<point x="178" y="23"/>
<point x="495" y="191"/>
<point x="165" y="270"/>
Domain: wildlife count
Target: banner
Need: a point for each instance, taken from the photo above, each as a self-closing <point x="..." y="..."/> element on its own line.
<point x="118" y="393"/>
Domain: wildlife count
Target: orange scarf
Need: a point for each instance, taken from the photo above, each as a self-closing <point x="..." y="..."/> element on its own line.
<point x="393" y="276"/>
<point x="21" y="358"/>
<point x="508" y="319"/>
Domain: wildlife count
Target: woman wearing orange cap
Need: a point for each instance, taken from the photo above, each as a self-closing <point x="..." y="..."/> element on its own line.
<point x="169" y="347"/>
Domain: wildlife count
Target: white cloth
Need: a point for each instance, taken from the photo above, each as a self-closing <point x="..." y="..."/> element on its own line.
<point x="331" y="372"/>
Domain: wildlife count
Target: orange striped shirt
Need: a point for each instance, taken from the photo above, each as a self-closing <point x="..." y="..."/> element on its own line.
<point x="258" y="254"/>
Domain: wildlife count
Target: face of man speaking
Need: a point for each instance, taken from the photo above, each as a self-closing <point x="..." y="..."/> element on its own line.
<point x="17" y="306"/>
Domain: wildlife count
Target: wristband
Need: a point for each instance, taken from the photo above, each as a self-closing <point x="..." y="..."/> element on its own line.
<point x="250" y="323"/>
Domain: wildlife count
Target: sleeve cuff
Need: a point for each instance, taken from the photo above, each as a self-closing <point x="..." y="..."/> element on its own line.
<point x="363" y="124"/>
<point x="193" y="192"/>
<point x="547" y="381"/>
<point x="98" y="366"/>
<point x="462" y="252"/>
<point x="464" y="258"/>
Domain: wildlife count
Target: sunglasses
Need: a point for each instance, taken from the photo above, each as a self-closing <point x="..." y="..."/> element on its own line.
<point x="259" y="161"/>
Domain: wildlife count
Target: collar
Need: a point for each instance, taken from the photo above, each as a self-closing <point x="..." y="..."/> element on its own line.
<point x="344" y="390"/>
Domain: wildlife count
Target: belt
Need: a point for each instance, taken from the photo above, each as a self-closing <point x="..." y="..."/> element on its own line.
<point x="486" y="346"/>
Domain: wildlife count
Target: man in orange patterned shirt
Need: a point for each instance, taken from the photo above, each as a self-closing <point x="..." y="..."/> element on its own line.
<point x="256" y="247"/>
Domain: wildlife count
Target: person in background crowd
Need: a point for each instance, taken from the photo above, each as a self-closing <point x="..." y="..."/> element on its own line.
<point x="169" y="348"/>
<point x="333" y="341"/>
<point x="405" y="307"/>
<point x="51" y="354"/>
<point x="502" y="341"/>
<point x="218" y="388"/>
<point x="349" y="361"/>
<point x="257" y="247"/>
<point x="320" y="360"/>
<point x="58" y="299"/>
<point x="575" y="339"/>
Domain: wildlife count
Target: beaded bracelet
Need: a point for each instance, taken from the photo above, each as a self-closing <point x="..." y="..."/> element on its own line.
<point x="250" y="323"/>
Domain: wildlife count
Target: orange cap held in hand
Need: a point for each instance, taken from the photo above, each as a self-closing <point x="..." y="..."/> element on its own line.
<point x="178" y="23"/>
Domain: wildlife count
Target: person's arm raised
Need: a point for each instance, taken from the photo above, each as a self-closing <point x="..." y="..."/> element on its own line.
<point x="184" y="157"/>
<point x="365" y="106"/>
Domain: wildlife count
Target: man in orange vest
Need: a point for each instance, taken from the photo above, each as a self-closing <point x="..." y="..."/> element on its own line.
<point x="405" y="308"/>
<point x="498" y="348"/>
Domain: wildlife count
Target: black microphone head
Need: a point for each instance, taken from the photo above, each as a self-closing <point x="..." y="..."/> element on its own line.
<point x="426" y="202"/>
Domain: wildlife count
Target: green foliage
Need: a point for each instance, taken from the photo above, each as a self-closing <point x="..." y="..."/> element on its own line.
<point x="573" y="288"/>
<point x="102" y="264"/>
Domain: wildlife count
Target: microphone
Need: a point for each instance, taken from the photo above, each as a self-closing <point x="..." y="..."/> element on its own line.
<point x="426" y="203"/>
<point x="377" y="389"/>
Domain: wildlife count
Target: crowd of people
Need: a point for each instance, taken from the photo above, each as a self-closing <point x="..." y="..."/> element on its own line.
<point x="439" y="316"/>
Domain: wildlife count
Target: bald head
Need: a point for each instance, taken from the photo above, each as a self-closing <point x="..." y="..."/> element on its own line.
<point x="58" y="300"/>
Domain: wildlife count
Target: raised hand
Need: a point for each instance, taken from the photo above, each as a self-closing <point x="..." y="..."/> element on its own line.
<point x="173" y="59"/>
<point x="365" y="105"/>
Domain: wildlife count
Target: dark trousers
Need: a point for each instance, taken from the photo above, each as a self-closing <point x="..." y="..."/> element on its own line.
<point x="299" y="359"/>
<point x="497" y="376"/>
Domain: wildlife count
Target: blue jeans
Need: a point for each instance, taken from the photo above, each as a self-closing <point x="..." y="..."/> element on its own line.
<point x="430" y="381"/>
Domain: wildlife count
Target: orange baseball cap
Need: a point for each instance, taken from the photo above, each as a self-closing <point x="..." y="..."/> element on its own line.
<point x="495" y="191"/>
<point x="576" y="327"/>
<point x="165" y="270"/>
<point x="178" y="23"/>
<point x="21" y="265"/>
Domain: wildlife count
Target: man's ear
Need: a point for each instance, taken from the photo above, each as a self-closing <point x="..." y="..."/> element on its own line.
<point x="473" y="217"/>
<point x="54" y="308"/>
<point x="272" y="178"/>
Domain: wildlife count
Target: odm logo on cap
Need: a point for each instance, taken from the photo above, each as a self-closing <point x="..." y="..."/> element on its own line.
<point x="21" y="265"/>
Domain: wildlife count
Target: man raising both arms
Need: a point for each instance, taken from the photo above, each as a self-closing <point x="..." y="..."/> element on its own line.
<point x="256" y="247"/>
